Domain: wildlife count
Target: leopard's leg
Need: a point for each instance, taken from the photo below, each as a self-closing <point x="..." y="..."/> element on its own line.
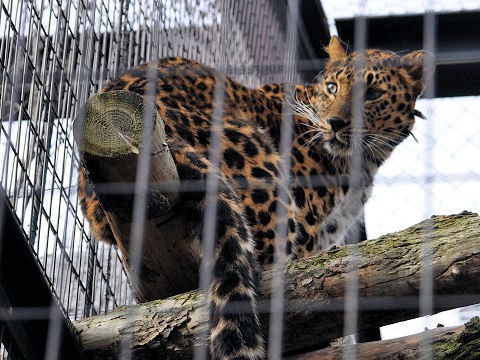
<point x="235" y="327"/>
<point x="92" y="209"/>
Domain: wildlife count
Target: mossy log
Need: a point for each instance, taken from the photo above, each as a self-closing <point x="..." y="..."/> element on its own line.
<point x="452" y="343"/>
<point x="113" y="131"/>
<point x="389" y="284"/>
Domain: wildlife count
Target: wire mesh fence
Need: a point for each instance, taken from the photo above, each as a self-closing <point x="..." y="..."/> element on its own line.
<point x="55" y="55"/>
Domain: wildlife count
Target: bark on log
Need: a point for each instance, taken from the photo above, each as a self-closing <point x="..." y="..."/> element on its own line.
<point x="112" y="131"/>
<point x="453" y="343"/>
<point x="388" y="270"/>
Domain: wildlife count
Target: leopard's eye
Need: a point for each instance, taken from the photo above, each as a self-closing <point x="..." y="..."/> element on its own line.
<point x="332" y="88"/>
<point x="373" y="94"/>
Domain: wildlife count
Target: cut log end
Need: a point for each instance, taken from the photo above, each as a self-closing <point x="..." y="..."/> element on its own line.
<point x="111" y="123"/>
<point x="114" y="131"/>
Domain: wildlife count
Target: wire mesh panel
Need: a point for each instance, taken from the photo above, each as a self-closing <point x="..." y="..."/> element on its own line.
<point x="55" y="55"/>
<point x="43" y="47"/>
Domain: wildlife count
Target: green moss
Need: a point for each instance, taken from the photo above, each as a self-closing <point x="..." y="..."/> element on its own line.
<point x="195" y="296"/>
<point x="437" y="227"/>
<point x="190" y="298"/>
<point x="443" y="347"/>
<point x="318" y="262"/>
<point x="465" y="346"/>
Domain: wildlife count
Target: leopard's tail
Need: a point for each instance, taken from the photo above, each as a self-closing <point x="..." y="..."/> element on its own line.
<point x="235" y="327"/>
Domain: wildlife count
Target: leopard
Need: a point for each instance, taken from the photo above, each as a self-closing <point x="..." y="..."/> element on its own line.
<point x="317" y="207"/>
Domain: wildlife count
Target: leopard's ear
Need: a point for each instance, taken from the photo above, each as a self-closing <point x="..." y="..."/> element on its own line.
<point x="416" y="63"/>
<point x="335" y="49"/>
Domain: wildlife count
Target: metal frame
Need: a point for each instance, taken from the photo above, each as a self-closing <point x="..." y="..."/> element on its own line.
<point x="457" y="46"/>
<point x="24" y="290"/>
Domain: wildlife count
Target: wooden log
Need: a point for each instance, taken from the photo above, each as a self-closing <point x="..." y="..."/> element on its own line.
<point x="452" y="343"/>
<point x="111" y="131"/>
<point x="389" y="285"/>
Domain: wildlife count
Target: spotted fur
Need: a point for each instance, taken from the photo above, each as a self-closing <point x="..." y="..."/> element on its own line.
<point x="322" y="205"/>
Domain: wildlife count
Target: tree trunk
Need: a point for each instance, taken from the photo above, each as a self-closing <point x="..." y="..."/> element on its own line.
<point x="453" y="343"/>
<point x="389" y="283"/>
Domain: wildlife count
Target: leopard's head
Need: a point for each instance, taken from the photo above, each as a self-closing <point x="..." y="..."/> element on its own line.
<point x="379" y="88"/>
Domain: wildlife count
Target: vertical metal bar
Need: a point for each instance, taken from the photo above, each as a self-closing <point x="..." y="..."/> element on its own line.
<point x="426" y="251"/>
<point x="140" y="199"/>
<point x="108" y="291"/>
<point x="103" y="59"/>
<point x="17" y="57"/>
<point x="23" y="154"/>
<point x="210" y="217"/>
<point x="3" y="209"/>
<point x="52" y="105"/>
<point x="54" y="333"/>
<point x="89" y="291"/>
<point x="87" y="44"/>
<point x="212" y="187"/>
<point x="286" y="138"/>
<point x="56" y="80"/>
<point x="79" y="74"/>
<point x="355" y="181"/>
<point x="140" y="196"/>
<point x="69" y="222"/>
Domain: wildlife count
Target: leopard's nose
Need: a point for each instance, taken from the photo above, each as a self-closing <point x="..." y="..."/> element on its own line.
<point x="337" y="124"/>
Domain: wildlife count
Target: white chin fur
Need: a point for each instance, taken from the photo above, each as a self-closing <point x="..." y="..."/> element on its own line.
<point x="336" y="150"/>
